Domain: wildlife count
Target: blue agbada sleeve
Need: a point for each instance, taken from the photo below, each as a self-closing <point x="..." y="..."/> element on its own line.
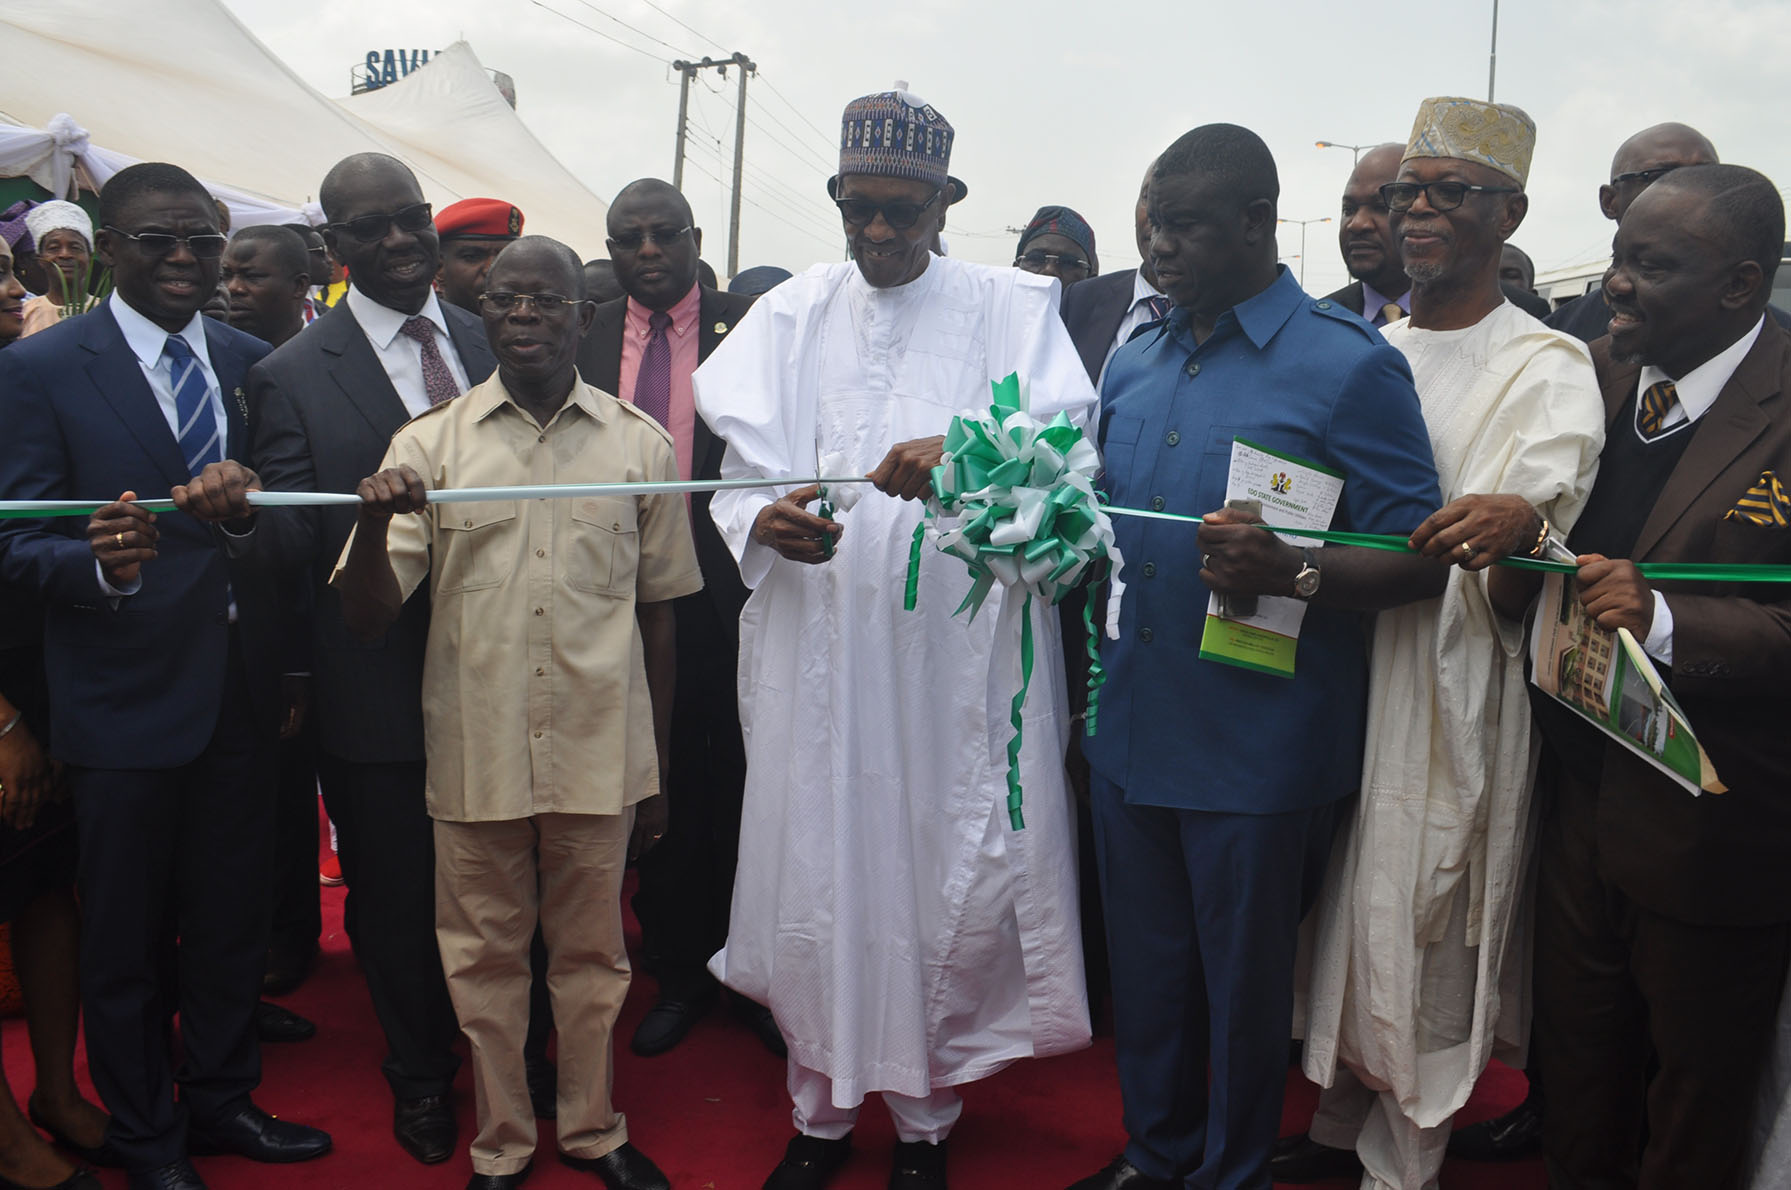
<point x="1378" y="440"/>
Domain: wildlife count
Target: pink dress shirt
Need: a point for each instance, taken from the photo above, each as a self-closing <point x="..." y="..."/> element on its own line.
<point x="683" y="339"/>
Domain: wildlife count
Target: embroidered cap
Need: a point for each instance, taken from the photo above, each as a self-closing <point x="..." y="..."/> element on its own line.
<point x="1492" y="134"/>
<point x="896" y="134"/>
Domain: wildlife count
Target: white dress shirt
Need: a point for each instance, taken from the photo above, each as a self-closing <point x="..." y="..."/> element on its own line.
<point x="399" y="354"/>
<point x="1697" y="391"/>
<point x="1136" y="316"/>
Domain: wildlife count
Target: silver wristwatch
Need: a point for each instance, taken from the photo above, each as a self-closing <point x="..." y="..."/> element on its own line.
<point x="1306" y="582"/>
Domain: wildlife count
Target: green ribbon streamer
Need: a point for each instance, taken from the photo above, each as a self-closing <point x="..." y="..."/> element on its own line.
<point x="1014" y="817"/>
<point x="1097" y="673"/>
<point x="1686" y="572"/>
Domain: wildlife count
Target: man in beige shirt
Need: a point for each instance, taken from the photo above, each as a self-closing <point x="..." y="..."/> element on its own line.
<point x="547" y="694"/>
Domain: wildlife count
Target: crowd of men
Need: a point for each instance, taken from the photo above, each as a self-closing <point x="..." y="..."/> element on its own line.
<point x="1394" y="851"/>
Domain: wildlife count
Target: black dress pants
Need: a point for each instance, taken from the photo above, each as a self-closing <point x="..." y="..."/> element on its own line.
<point x="174" y="884"/>
<point x="386" y="842"/>
<point x="298" y="915"/>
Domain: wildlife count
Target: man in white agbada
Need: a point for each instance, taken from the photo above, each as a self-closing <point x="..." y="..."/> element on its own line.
<point x="906" y="939"/>
<point x="1419" y="969"/>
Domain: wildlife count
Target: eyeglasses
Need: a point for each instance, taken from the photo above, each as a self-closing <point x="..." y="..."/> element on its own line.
<point x="502" y="301"/>
<point x="205" y="246"/>
<point x="1442" y="196"/>
<point x="631" y="241"/>
<point x="1041" y="260"/>
<point x="1645" y="176"/>
<point x="862" y="212"/>
<point x="370" y="229"/>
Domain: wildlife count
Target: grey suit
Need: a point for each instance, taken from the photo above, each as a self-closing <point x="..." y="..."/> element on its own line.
<point x="322" y="412"/>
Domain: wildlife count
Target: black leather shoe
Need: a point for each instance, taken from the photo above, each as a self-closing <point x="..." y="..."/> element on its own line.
<point x="667" y="1023"/>
<point x="1511" y="1137"/>
<point x="622" y="1168"/>
<point x="917" y="1166"/>
<point x="81" y="1179"/>
<point x="276" y="1024"/>
<point x="809" y="1162"/>
<point x="1302" y="1159"/>
<point x="500" y="1181"/>
<point x="287" y="967"/>
<point x="105" y="1156"/>
<point x="758" y="1018"/>
<point x="1121" y="1174"/>
<point x="254" y="1134"/>
<point x="424" y="1128"/>
<point x="543" y="1078"/>
<point x="176" y="1175"/>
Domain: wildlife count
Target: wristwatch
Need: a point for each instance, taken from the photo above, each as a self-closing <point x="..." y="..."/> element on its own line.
<point x="1306" y="582"/>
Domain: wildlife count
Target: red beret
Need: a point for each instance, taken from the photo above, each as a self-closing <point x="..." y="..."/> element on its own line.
<point x="484" y="218"/>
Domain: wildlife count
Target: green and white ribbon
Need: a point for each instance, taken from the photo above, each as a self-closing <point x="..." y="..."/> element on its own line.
<point x="1024" y="513"/>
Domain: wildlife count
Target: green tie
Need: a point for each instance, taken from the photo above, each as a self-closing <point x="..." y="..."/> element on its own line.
<point x="1657" y="401"/>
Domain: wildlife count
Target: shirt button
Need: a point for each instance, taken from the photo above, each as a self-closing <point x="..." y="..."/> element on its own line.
<point x="1156" y="503"/>
<point x="540" y="611"/>
<point x="537" y="735"/>
<point x="540" y="672"/>
<point x="1193" y="369"/>
<point x="469" y="524"/>
<point x="541" y="553"/>
<point x="1150" y="570"/>
<point x="1145" y="635"/>
<point x="541" y="438"/>
<point x="1324" y="305"/>
<point x="1173" y="437"/>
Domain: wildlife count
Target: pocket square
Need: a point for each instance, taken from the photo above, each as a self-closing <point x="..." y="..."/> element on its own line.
<point x="1766" y="504"/>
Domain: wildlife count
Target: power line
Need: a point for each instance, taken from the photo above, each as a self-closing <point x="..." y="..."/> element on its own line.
<point x="791" y="203"/>
<point x="831" y="141"/>
<point x="637" y="32"/>
<point x="812" y="235"/>
<point x="814" y="160"/>
<point x="606" y="36"/>
<point x="674" y="20"/>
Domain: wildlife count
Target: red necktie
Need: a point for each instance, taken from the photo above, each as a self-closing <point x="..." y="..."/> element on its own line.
<point x="438" y="381"/>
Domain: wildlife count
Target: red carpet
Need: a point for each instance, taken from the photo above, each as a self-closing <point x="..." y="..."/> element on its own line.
<point x="712" y="1113"/>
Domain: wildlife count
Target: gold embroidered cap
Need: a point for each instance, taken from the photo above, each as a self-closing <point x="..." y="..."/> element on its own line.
<point x="1492" y="134"/>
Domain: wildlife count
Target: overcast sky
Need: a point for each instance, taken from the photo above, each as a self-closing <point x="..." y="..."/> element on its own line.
<point x="1061" y="102"/>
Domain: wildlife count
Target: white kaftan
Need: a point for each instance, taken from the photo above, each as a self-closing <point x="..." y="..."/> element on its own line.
<point x="1443" y="827"/>
<point x="902" y="934"/>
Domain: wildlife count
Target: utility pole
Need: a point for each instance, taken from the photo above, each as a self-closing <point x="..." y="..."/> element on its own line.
<point x="688" y="71"/>
<point x="1492" y="55"/>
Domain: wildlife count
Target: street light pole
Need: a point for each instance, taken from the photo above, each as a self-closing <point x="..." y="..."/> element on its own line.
<point x="1492" y="55"/>
<point x="1303" y="223"/>
<point x="1331" y="144"/>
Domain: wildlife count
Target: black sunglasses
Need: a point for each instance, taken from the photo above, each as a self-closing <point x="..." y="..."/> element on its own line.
<point x="1645" y="176"/>
<point x="631" y="241"/>
<point x="205" y="246"/>
<point x="370" y="229"/>
<point x="1442" y="196"/>
<point x="861" y="212"/>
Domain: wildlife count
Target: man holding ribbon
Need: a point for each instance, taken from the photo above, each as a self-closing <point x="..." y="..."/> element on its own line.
<point x="907" y="939"/>
<point x="1410" y="991"/>
<point x="1215" y="787"/>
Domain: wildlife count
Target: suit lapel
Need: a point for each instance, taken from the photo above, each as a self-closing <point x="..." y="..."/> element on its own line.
<point x="231" y="367"/>
<point x="116" y="375"/>
<point x="600" y="355"/>
<point x="1722" y="434"/>
<point x="471" y="344"/>
<point x="351" y="363"/>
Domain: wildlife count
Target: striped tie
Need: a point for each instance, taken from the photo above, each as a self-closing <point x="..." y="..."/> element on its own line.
<point x="1159" y="307"/>
<point x="1766" y="504"/>
<point x="1657" y="401"/>
<point x="198" y="433"/>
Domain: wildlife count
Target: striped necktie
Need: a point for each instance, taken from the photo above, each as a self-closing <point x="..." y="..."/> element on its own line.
<point x="198" y="432"/>
<point x="1159" y="307"/>
<point x="653" y="379"/>
<point x="1657" y="401"/>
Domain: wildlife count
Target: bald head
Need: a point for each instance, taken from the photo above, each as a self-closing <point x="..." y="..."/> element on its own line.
<point x="651" y="193"/>
<point x="359" y="173"/>
<point x="1648" y="155"/>
<point x="540" y="256"/>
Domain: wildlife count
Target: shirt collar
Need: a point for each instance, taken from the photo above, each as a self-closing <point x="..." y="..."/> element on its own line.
<point x="147" y="340"/>
<point x="1698" y="389"/>
<point x="684" y="313"/>
<point x="1261" y="316"/>
<point x="1373" y="299"/>
<point x="487" y="398"/>
<point x="1143" y="290"/>
<point x="382" y="323"/>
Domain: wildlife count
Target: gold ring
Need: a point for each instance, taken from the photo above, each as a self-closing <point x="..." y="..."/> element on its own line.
<point x="120" y="537"/>
<point x="1468" y="550"/>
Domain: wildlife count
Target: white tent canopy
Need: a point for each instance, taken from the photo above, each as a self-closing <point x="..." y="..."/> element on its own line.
<point x="227" y="109"/>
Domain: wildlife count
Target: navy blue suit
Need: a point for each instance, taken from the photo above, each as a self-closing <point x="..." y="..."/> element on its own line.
<point x="165" y="713"/>
<point x="1215" y="789"/>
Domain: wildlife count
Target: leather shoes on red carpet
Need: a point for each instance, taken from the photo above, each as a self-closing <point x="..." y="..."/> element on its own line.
<point x="1121" y="1174"/>
<point x="105" y="1155"/>
<point x="667" y="1023"/>
<point x="543" y="1078"/>
<point x="287" y="967"/>
<point x="274" y="1023"/>
<point x="1511" y="1137"/>
<point x="500" y="1181"/>
<point x="622" y="1168"/>
<point x="254" y="1134"/>
<point x="917" y="1166"/>
<point x="809" y="1162"/>
<point x="1301" y="1159"/>
<point x="176" y="1175"/>
<point x="424" y="1128"/>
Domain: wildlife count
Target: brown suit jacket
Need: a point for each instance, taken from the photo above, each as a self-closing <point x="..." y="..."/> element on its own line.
<point x="1717" y="859"/>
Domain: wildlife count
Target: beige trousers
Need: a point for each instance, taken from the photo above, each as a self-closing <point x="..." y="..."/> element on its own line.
<point x="492" y="880"/>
